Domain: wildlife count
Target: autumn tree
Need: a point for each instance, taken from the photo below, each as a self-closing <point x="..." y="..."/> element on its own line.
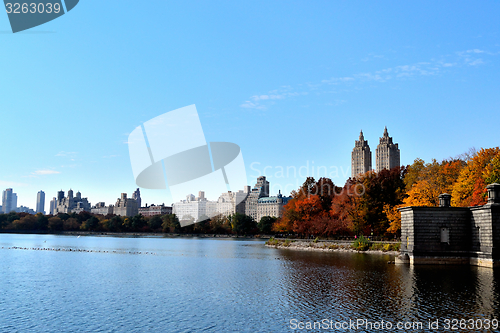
<point x="380" y="189"/>
<point x="55" y="223"/>
<point x="470" y="187"/>
<point x="432" y="180"/>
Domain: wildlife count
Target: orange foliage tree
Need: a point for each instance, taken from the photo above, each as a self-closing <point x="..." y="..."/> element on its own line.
<point x="426" y="182"/>
<point x="470" y="187"/>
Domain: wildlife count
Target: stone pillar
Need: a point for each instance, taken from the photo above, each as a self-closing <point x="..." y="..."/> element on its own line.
<point x="444" y="200"/>
<point x="493" y="193"/>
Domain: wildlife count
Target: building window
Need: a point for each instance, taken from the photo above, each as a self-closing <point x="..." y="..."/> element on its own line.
<point x="445" y="235"/>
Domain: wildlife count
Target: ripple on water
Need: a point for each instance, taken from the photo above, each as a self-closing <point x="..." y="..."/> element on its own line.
<point x="183" y="285"/>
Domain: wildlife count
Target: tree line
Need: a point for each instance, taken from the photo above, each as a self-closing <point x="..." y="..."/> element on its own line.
<point x="368" y="204"/>
<point x="239" y="224"/>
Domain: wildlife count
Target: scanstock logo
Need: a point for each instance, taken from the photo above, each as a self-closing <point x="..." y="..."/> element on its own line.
<point x="26" y="14"/>
<point x="170" y="151"/>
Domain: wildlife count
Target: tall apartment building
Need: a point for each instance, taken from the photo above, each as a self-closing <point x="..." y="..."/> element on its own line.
<point x="137" y="197"/>
<point x="361" y="157"/>
<point x="53" y="205"/>
<point x="40" y="202"/>
<point x="388" y="154"/>
<point x="9" y="201"/>
<point x="71" y="204"/>
<point x="101" y="209"/>
<point x="254" y="202"/>
<point x="125" y="206"/>
<point x="260" y="190"/>
<point x="194" y="209"/>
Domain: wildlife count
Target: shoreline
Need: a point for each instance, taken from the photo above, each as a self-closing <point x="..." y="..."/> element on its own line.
<point x="327" y="246"/>
<point x="131" y="234"/>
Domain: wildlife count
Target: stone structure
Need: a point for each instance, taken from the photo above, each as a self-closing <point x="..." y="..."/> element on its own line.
<point x="125" y="206"/>
<point x="361" y="157"/>
<point x="387" y="153"/>
<point x="71" y="204"/>
<point x="155" y="210"/>
<point x="9" y="201"/>
<point x="452" y="235"/>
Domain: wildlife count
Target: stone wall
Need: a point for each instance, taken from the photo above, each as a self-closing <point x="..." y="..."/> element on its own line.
<point x="452" y="235"/>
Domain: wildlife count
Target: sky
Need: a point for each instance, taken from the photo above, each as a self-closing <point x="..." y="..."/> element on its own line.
<point x="292" y="83"/>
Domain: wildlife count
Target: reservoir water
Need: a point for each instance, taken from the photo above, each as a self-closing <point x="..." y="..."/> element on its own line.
<point x="155" y="284"/>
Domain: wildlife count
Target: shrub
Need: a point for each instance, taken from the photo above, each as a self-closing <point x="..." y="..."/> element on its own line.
<point x="315" y="240"/>
<point x="361" y="244"/>
<point x="387" y="247"/>
<point x="272" y="241"/>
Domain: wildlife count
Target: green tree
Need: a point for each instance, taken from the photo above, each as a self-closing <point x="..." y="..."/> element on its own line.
<point x="242" y="224"/>
<point x="138" y="222"/>
<point x="42" y="222"/>
<point x="265" y="224"/>
<point x="91" y="224"/>
<point x="155" y="222"/>
<point x="115" y="223"/>
<point x="170" y="223"/>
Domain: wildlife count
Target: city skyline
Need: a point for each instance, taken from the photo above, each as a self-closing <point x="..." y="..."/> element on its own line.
<point x="422" y="70"/>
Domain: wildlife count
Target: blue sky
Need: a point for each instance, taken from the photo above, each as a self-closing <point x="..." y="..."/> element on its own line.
<point x="292" y="83"/>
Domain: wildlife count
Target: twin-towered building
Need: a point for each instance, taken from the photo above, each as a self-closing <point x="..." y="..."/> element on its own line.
<point x="387" y="155"/>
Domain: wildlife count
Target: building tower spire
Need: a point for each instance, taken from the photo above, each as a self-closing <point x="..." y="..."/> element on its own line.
<point x="387" y="153"/>
<point x="361" y="157"/>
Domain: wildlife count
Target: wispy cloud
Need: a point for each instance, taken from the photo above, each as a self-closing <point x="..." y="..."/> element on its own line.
<point x="255" y="101"/>
<point x="45" y="172"/>
<point x="4" y="183"/>
<point x="66" y="153"/>
<point x="471" y="57"/>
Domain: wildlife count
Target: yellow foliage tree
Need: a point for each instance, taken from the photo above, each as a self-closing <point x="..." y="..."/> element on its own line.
<point x="470" y="187"/>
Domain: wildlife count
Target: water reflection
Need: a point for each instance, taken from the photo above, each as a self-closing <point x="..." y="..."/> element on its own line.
<point x="343" y="286"/>
<point x="180" y="285"/>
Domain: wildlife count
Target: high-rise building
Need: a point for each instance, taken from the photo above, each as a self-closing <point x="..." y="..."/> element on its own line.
<point x="137" y="197"/>
<point x="71" y="204"/>
<point x="53" y="205"/>
<point x="260" y="190"/>
<point x="9" y="201"/>
<point x="40" y="202"/>
<point x="361" y="157"/>
<point x="388" y="155"/>
<point x="125" y="206"/>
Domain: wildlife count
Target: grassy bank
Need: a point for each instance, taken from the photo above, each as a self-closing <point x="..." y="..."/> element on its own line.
<point x="361" y="244"/>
